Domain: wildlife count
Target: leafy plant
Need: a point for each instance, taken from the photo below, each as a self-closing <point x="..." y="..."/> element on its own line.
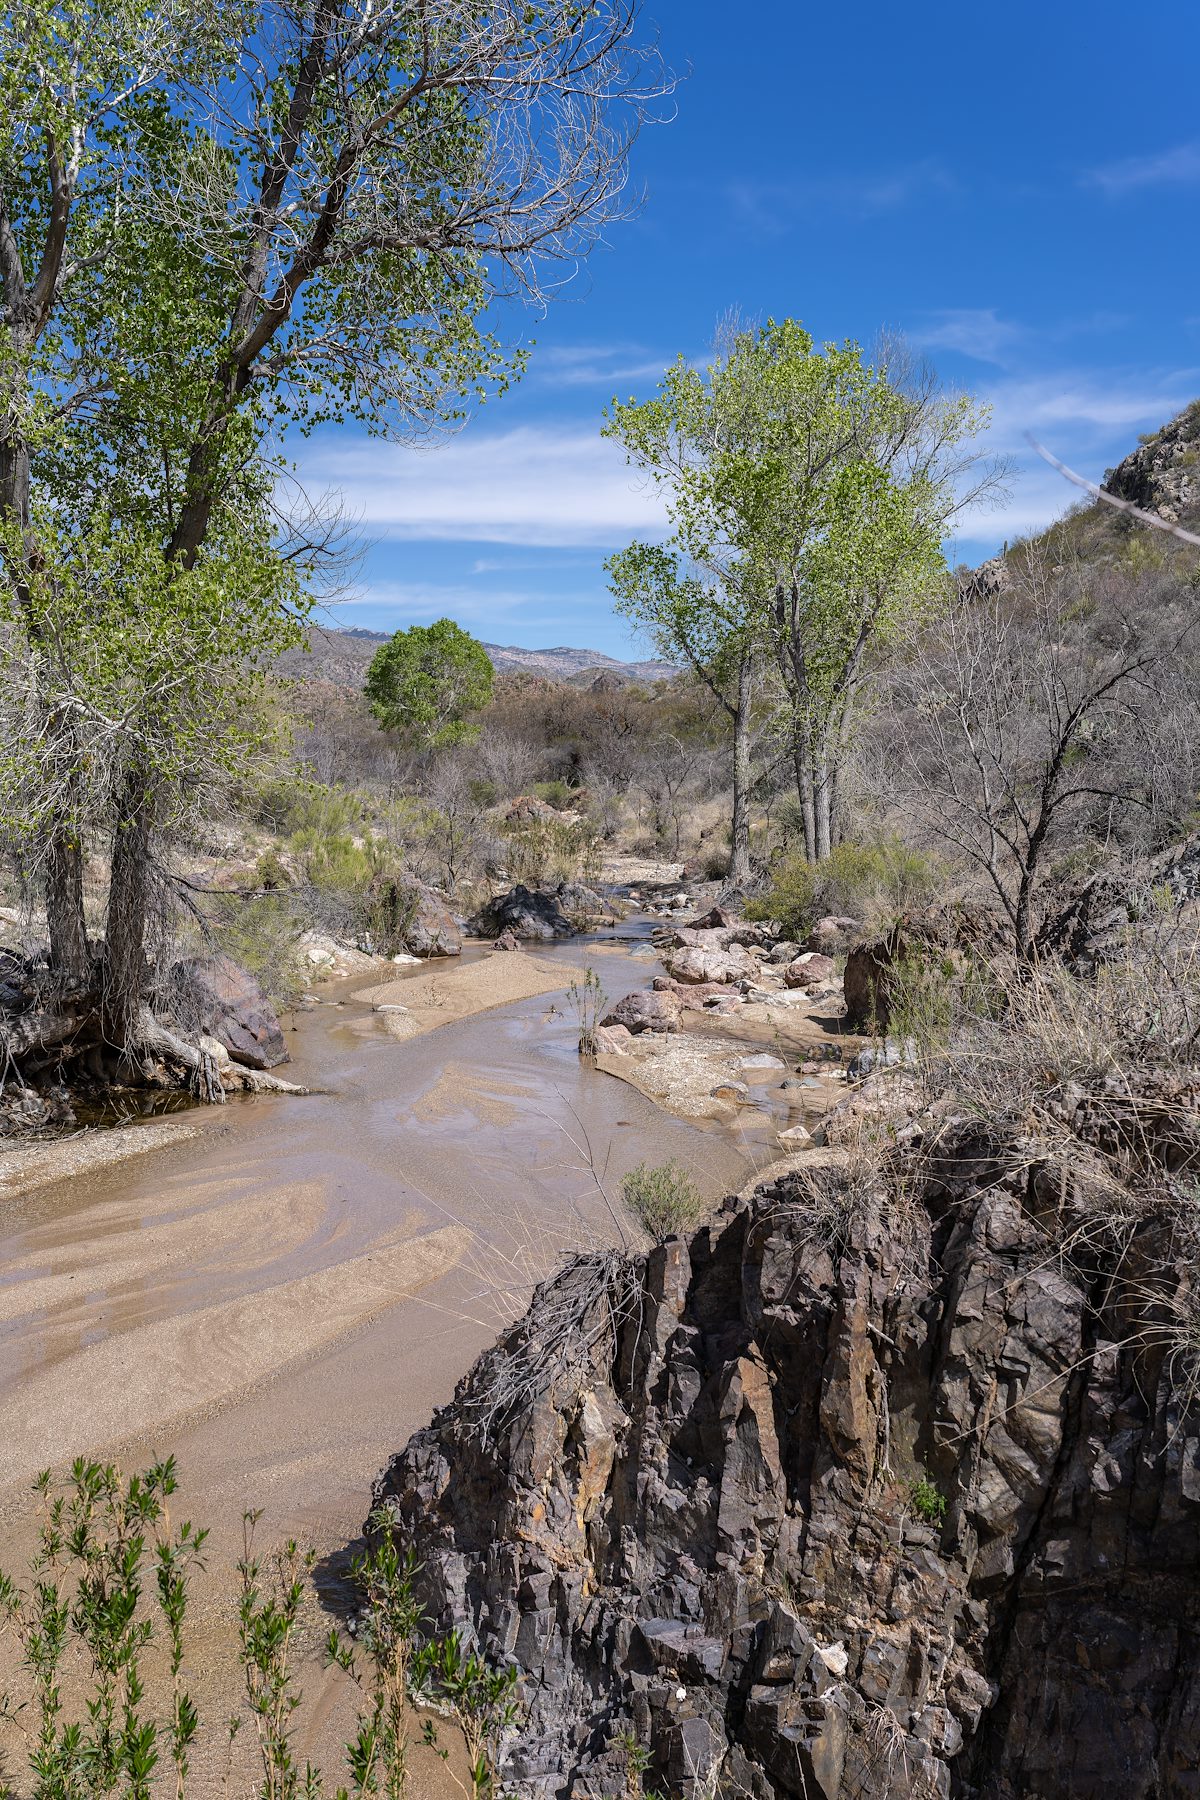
<point x="268" y="1620"/>
<point x="101" y="1539"/>
<point x="927" y="1500"/>
<point x="867" y="881"/>
<point x="664" y="1199"/>
<point x="484" y="1704"/>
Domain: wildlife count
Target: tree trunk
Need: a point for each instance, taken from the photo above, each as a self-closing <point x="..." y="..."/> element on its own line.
<point x="822" y="796"/>
<point x="62" y="861"/>
<point x="70" y="953"/>
<point x="804" y="792"/>
<point x="739" y="861"/>
<point x="128" y="910"/>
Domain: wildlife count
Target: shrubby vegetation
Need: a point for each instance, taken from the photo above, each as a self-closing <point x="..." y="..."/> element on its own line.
<point x="104" y="1615"/>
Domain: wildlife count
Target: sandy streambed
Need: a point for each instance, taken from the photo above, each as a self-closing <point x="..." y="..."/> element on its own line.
<point x="285" y="1290"/>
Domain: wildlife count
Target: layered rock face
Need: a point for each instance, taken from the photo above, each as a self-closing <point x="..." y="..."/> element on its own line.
<point x="884" y="1484"/>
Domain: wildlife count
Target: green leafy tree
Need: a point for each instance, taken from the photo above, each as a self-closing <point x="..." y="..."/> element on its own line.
<point x="808" y="492"/>
<point x="218" y="225"/>
<point x="426" y="681"/>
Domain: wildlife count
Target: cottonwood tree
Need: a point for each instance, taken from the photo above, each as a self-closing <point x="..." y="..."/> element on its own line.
<point x="1026" y="716"/>
<point x="706" y="625"/>
<point x="808" y="492"/>
<point x="837" y="488"/>
<point x="216" y="227"/>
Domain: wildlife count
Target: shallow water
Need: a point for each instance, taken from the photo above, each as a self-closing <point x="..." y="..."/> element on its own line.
<point x="282" y="1299"/>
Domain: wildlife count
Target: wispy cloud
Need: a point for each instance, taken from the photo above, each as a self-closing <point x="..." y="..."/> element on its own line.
<point x="978" y="332"/>
<point x="597" y="365"/>
<point x="1177" y="167"/>
<point x="1090" y="418"/>
<point x="533" y="486"/>
<point x="771" y="208"/>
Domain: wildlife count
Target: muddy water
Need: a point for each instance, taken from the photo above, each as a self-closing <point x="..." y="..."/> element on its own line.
<point x="283" y="1299"/>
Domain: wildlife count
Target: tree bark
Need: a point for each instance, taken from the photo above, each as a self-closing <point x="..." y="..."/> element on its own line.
<point x="739" y="861"/>
<point x="62" y="851"/>
<point x="128" y="910"/>
<point x="822" y="794"/>
<point x="804" y="792"/>
<point x="70" y="952"/>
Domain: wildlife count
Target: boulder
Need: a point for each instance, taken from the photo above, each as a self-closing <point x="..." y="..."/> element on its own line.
<point x="695" y="996"/>
<point x="213" y="995"/>
<point x="653" y="1011"/>
<point x="508" y="940"/>
<point x="431" y="929"/>
<point x="692" y="964"/>
<point x="809" y="968"/>
<point x="833" y="934"/>
<point x="528" y="913"/>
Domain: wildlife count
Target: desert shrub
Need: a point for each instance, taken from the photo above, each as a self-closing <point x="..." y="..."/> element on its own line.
<point x="871" y="882"/>
<point x="663" y="1199"/>
<point x="285" y="802"/>
<point x="589" y="1000"/>
<point x="542" y="850"/>
<point x="714" y="862"/>
<point x="1057" y="1030"/>
<point x="791" y="898"/>
<point x="557" y="793"/>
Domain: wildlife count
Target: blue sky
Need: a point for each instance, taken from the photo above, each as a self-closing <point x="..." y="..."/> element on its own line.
<point x="1015" y="189"/>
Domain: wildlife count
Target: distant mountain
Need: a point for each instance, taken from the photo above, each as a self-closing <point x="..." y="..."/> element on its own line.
<point x="342" y="657"/>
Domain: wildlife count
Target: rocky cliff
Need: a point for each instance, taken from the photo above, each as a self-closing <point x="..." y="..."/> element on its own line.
<point x="885" y="1483"/>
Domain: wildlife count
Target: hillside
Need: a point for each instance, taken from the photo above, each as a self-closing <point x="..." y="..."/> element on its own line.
<point x="342" y="656"/>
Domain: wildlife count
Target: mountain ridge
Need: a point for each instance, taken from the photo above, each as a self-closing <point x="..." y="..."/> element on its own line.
<point x="341" y="654"/>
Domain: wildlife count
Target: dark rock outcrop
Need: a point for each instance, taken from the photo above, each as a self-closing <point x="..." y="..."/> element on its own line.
<point x="528" y="913"/>
<point x="886" y="1483"/>
<point x="1163" y="474"/>
<point x="212" y="994"/>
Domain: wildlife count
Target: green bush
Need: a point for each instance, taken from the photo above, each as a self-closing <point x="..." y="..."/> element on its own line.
<point x="872" y="882"/>
<point x="664" y="1199"/>
<point x="927" y="1501"/>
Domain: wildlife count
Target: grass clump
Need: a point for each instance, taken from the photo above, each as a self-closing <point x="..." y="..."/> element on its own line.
<point x="664" y="1199"/>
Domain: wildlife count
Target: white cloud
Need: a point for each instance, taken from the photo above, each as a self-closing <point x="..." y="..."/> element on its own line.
<point x="597" y="365"/>
<point x="978" y="332"/>
<point x="772" y="207"/>
<point x="1088" y="418"/>
<point x="537" y="486"/>
<point x="1177" y="167"/>
<point x="385" y="605"/>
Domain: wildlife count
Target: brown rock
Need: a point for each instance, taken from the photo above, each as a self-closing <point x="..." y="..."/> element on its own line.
<point x="809" y="968"/>
<point x="654" y="1011"/>
<point x="212" y="994"/>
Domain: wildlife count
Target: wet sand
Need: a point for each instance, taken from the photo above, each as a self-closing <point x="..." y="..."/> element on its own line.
<point x="283" y="1297"/>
